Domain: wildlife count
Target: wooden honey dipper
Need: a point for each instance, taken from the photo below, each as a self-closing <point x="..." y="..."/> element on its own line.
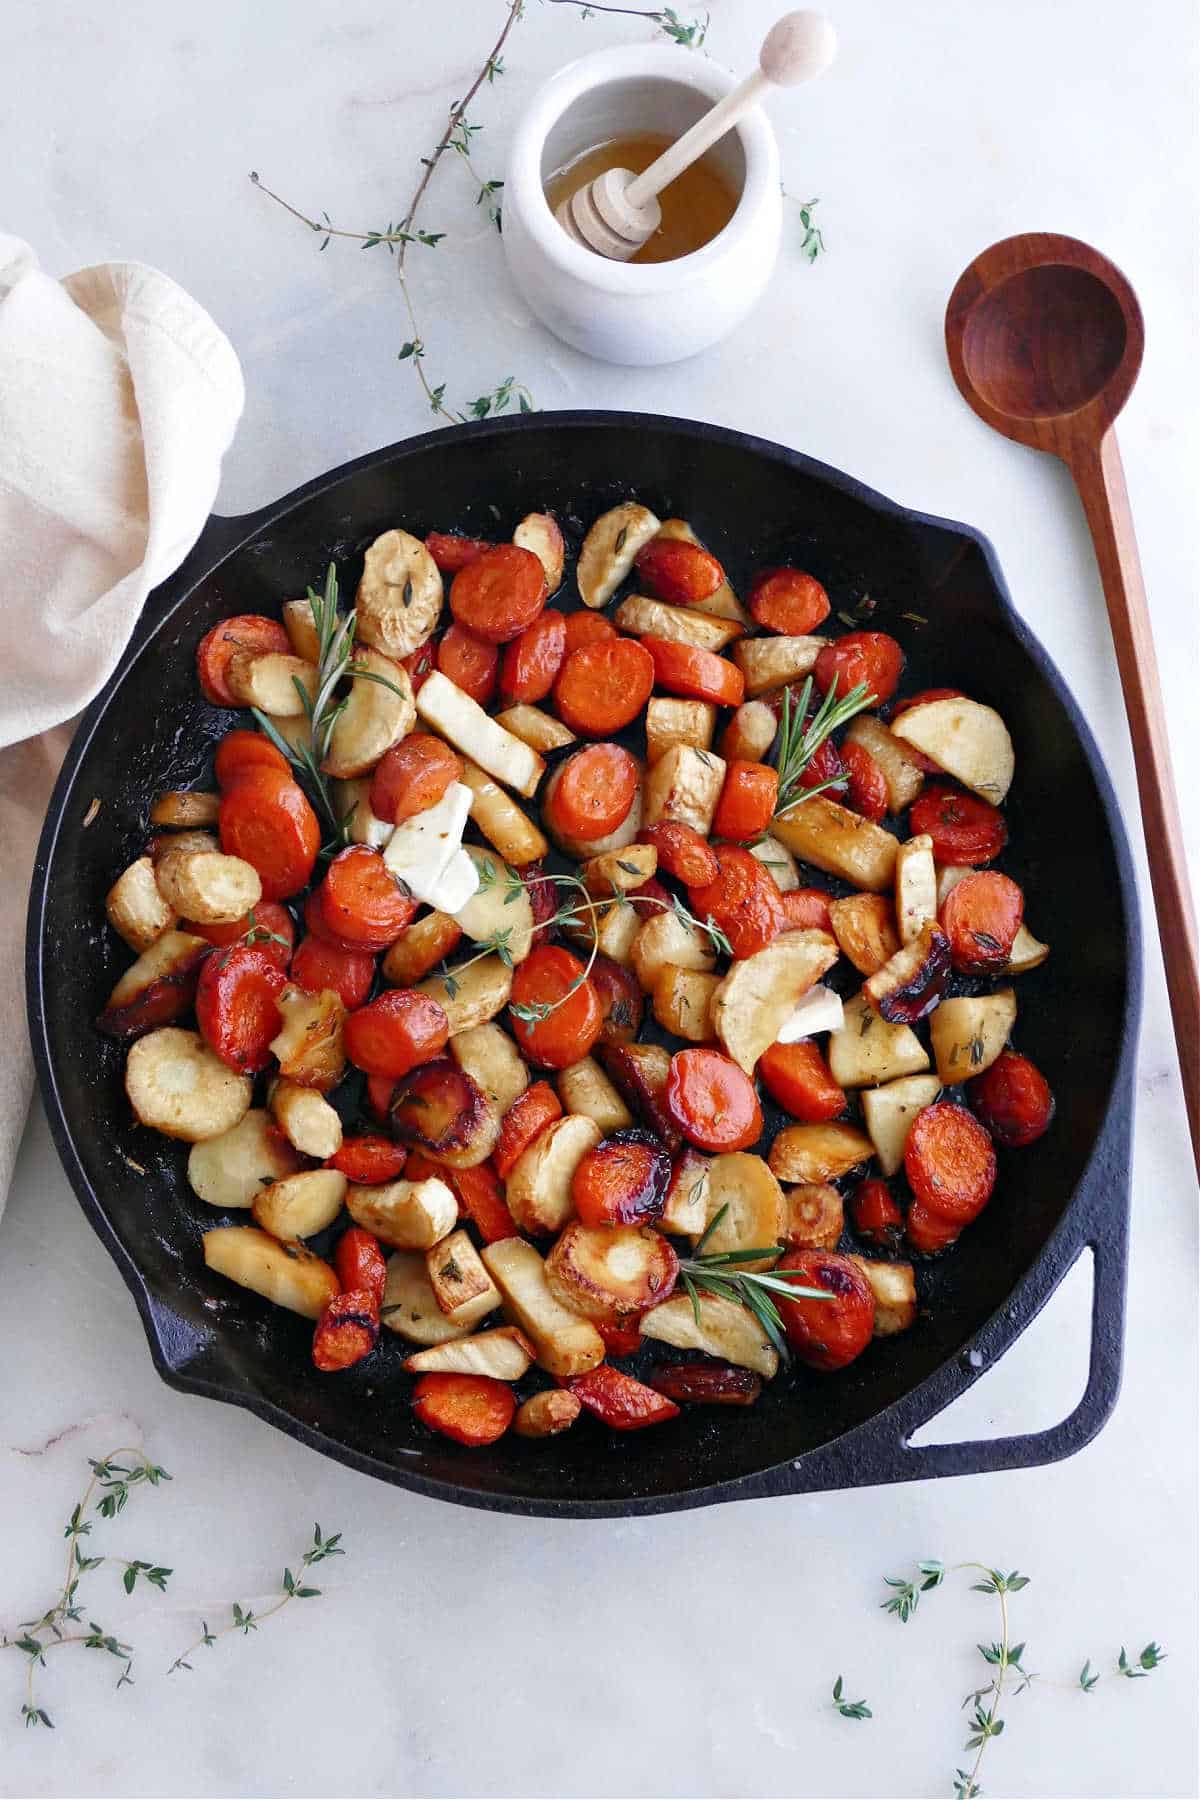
<point x="618" y="212"/>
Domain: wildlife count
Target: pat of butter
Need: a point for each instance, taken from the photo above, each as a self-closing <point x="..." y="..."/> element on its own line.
<point x="819" y="1010"/>
<point x="457" y="884"/>
<point x="420" y="849"/>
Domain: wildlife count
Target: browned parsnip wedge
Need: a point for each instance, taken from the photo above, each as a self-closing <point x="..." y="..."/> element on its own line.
<point x="176" y="1085"/>
<point x="136" y="908"/>
<point x="607" y="553"/>
<point x="540" y="533"/>
<point x="669" y="722"/>
<point x="400" y="595"/>
<point x="839" y="841"/>
<point x="287" y="1274"/>
<point x="968" y="740"/>
<point x="760" y="992"/>
<point x="894" y="1287"/>
<point x="725" y="1330"/>
<point x="564" y="1343"/>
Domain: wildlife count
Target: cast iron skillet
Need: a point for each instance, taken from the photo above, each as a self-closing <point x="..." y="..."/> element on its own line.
<point x="754" y="503"/>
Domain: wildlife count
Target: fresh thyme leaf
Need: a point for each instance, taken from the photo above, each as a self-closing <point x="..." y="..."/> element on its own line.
<point x="849" y="1709"/>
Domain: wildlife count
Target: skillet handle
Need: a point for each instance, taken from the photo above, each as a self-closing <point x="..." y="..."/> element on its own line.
<point x="219" y="536"/>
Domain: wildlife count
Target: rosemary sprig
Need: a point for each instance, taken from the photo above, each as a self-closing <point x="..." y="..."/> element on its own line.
<point x="114" y="1482"/>
<point x="335" y="653"/>
<point x="246" y="1620"/>
<point x="799" y="742"/>
<point x="714" y="1273"/>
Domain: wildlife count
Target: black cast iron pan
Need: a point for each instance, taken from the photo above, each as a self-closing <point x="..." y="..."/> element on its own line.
<point x="754" y="503"/>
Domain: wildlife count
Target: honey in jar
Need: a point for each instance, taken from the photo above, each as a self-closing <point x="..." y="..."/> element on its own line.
<point x="695" y="206"/>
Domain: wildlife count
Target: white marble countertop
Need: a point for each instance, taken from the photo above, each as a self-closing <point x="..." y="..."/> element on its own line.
<point x="458" y="1652"/>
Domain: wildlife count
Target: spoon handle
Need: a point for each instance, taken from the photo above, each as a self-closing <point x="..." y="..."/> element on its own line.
<point x="1101" y="483"/>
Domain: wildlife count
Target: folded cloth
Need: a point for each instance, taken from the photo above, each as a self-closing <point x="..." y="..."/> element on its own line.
<point x="118" y="398"/>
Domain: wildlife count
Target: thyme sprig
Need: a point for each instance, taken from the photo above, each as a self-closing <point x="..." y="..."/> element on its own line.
<point x="1002" y="1656"/>
<point x="577" y="912"/>
<point x="335" y="654"/>
<point x="799" y="742"/>
<point x="687" y="36"/>
<point x="113" y="1482"/>
<point x="244" y="1619"/>
<point x="715" y="1273"/>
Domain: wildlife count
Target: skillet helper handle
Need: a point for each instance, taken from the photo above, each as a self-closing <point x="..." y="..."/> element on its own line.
<point x="1100" y="479"/>
<point x="219" y="536"/>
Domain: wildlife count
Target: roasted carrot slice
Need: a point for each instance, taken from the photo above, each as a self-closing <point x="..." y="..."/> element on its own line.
<point x="867" y="792"/>
<point x="249" y="634"/>
<point x="499" y="594"/>
<point x="268" y="822"/>
<point x="747" y="803"/>
<point x="586" y="627"/>
<point x="554" y="1008"/>
<point x="964" y="828"/>
<point x="481" y="1199"/>
<point x="744" y="901"/>
<point x="807" y="909"/>
<point x="367" y="1160"/>
<point x="827" y="1334"/>
<point x="787" y="600"/>
<point x="712" y="1101"/>
<point x="236" y="1006"/>
<point x="695" y="673"/>
<point x="875" y="1215"/>
<point x="241" y="750"/>
<point x="452" y="553"/>
<point x="623" y="1181"/>
<point x="362" y="903"/>
<point x="357" y="1258"/>
<point x="525" y="1120"/>
<point x="871" y="657"/>
<point x="620" y="1340"/>
<point x="677" y="571"/>
<point x="1013" y="1099"/>
<point x="397" y="1032"/>
<point x="420" y="664"/>
<point x="981" y="916"/>
<point x="590" y="794"/>
<point x="797" y="1077"/>
<point x="347" y="1331"/>
<point x="707" y="1384"/>
<point x="619" y="1401"/>
<point x="469" y="662"/>
<point x="950" y="1163"/>
<point x="471" y="1409"/>
<point x="268" y="926"/>
<point x="603" y="687"/>
<point x="532" y="661"/>
<point x="682" y="852"/>
<point x="622" y="1002"/>
<point x="927" y="1232"/>
<point x="413" y="776"/>
<point x="350" y="974"/>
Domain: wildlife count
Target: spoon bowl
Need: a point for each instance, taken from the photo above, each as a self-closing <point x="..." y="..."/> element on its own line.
<point x="1045" y="340"/>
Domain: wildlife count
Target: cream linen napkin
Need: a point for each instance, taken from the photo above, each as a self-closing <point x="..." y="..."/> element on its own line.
<point x="118" y="398"/>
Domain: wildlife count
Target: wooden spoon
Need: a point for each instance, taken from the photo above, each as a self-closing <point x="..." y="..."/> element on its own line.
<point x="1045" y="341"/>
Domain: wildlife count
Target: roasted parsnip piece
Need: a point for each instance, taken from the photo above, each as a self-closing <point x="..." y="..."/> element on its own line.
<point x="900" y="768"/>
<point x="353" y="801"/>
<point x="969" y="1034"/>
<point x="400" y="595"/>
<point x="176" y="1085"/>
<point x="619" y="871"/>
<point x="750" y="732"/>
<point x="608" y="1272"/>
<point x="309" y="1045"/>
<point x="970" y="741"/>
<point x="778" y="861"/>
<point x="1027" y="952"/>
<point x="405" y="1215"/>
<point x="471" y="994"/>
<point x="643" y="617"/>
<point x="564" y="1344"/>
<point x="427" y="942"/>
<point x="499" y="911"/>
<point x="501" y="820"/>
<point x="665" y="939"/>
<point x="538" y="1188"/>
<point x="461" y="1285"/>
<point x="771" y="662"/>
<point x="584" y="1088"/>
<point x="726" y="1330"/>
<point x="889" y="1113"/>
<point x="895" y="1289"/>
<point x="274" y="682"/>
<point x="536" y="728"/>
<point x="301" y="628"/>
<point x="814" y="1217"/>
<point x="492" y="1060"/>
<point x="287" y="1274"/>
<point x="916" y="887"/>
<point x="191" y="810"/>
<point x="228" y="1171"/>
<point x="761" y="992"/>
<point x="684" y="1212"/>
<point x="839" y="841"/>
<point x="864" y="926"/>
<point x="300" y="1205"/>
<point x="379" y="712"/>
<point x="136" y="908"/>
<point x="463" y="722"/>
<point x="688" y="724"/>
<point x="504" y="1353"/>
<point x="755" y="1211"/>
<point x="546" y="1414"/>
<point x="206" y="887"/>
<point x="867" y="1051"/>
<point x="540" y="533"/>
<point x="684" y="784"/>
<point x="817" y="1153"/>
<point x="307" y="1121"/>
<point x="410" y="1308"/>
<point x="683" y="1002"/>
<point x="607" y="553"/>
